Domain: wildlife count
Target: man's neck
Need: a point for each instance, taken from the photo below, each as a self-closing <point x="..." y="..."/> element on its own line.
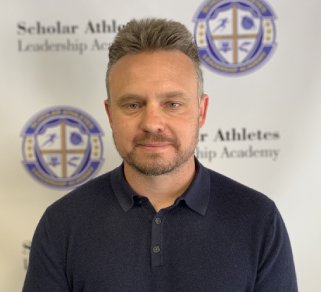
<point x="161" y="190"/>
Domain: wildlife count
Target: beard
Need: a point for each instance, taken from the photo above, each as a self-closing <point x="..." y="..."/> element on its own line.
<point x="155" y="164"/>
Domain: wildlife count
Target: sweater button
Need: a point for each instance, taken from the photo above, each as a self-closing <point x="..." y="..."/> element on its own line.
<point x="156" y="249"/>
<point x="158" y="220"/>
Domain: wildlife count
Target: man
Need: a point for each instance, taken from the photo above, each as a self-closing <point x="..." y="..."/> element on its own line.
<point x="161" y="221"/>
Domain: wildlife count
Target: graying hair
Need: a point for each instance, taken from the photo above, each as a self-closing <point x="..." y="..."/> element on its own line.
<point x="152" y="34"/>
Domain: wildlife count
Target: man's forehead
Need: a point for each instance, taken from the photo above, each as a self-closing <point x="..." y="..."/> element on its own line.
<point x="161" y="73"/>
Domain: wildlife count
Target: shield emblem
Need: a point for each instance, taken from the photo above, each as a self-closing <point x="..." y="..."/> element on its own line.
<point x="234" y="33"/>
<point x="62" y="147"/>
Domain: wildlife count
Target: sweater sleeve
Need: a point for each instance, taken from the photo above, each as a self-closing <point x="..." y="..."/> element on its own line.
<point x="46" y="270"/>
<point x="276" y="270"/>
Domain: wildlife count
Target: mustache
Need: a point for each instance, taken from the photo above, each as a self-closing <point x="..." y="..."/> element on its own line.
<point x="149" y="137"/>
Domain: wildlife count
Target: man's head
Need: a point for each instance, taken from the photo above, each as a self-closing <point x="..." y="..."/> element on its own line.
<point x="155" y="106"/>
<point x="151" y="35"/>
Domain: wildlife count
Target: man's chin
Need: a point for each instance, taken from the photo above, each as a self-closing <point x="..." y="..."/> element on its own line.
<point x="151" y="166"/>
<point x="155" y="164"/>
<point x="155" y="170"/>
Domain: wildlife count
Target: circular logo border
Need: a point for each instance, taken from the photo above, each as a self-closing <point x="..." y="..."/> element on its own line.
<point x="264" y="51"/>
<point x="36" y="167"/>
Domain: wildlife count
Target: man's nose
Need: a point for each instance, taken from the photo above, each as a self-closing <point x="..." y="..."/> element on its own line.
<point x="152" y="119"/>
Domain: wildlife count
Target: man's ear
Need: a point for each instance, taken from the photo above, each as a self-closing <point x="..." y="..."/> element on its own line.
<point x="107" y="109"/>
<point x="203" y="110"/>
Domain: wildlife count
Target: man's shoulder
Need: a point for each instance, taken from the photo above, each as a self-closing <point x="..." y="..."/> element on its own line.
<point x="233" y="196"/>
<point x="91" y="194"/>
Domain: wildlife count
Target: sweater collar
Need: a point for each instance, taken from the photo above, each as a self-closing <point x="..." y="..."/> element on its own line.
<point x="196" y="196"/>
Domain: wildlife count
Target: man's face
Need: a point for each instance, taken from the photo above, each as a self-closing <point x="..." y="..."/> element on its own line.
<point x="154" y="110"/>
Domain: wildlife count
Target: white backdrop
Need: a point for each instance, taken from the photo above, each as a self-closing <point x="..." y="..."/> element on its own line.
<point x="280" y="99"/>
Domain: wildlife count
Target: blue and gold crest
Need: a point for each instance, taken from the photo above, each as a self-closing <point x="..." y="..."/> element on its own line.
<point x="234" y="37"/>
<point x="62" y="147"/>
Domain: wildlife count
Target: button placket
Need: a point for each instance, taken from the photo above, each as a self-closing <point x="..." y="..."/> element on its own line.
<point x="156" y="242"/>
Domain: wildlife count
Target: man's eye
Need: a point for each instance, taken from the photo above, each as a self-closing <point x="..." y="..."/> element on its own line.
<point x="173" y="105"/>
<point x="131" y="106"/>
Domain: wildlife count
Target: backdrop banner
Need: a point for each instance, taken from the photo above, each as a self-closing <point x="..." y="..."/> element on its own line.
<point x="262" y="71"/>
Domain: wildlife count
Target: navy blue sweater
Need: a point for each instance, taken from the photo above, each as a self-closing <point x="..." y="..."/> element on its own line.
<point x="218" y="236"/>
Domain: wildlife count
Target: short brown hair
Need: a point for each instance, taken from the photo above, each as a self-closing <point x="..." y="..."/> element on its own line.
<point x="153" y="34"/>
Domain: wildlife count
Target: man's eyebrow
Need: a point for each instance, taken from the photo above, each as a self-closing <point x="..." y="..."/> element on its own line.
<point x="128" y="97"/>
<point x="173" y="94"/>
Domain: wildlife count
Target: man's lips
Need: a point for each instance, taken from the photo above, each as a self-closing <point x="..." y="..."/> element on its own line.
<point x="154" y="142"/>
<point x="153" y="146"/>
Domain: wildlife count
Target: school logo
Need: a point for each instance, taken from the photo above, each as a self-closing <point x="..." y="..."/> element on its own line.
<point x="62" y="147"/>
<point x="234" y="36"/>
